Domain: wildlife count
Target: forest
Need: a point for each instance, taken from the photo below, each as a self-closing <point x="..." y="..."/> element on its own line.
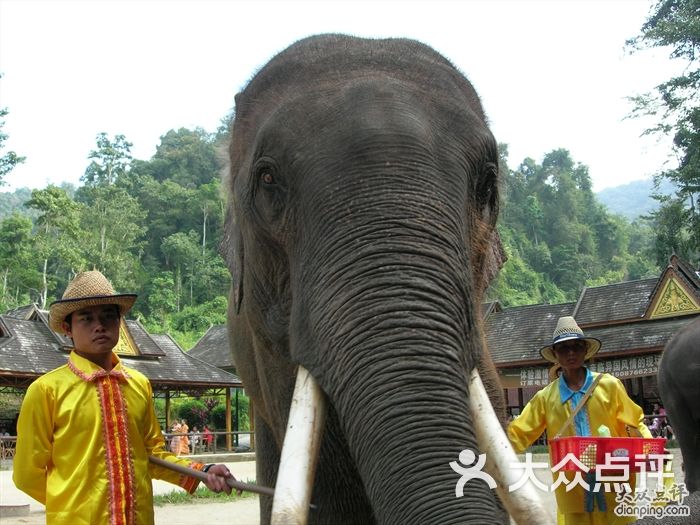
<point x="154" y="226"/>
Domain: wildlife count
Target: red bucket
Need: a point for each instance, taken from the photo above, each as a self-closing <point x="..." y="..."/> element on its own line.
<point x="592" y="451"/>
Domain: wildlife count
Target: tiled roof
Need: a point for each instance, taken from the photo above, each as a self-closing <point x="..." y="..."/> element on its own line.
<point x="691" y="275"/>
<point x="617" y="314"/>
<point x="28" y="348"/>
<point x="637" y="337"/>
<point x="179" y="367"/>
<point x="517" y="334"/>
<point x="22" y="312"/>
<point x="145" y="342"/>
<point x="488" y="308"/>
<point x="213" y="348"/>
<point x="614" y="302"/>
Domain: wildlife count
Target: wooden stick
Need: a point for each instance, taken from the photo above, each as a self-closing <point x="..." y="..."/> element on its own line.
<point x="202" y="476"/>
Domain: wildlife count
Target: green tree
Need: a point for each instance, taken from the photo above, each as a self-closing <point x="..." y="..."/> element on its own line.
<point x="17" y="262"/>
<point x="212" y="206"/>
<point x="194" y="412"/>
<point x="181" y="252"/>
<point x="200" y="318"/>
<point x="240" y="419"/>
<point x="675" y="106"/>
<point x="58" y="236"/>
<point x="672" y="235"/>
<point x="169" y="207"/>
<point x="558" y="237"/>
<point x="10" y="159"/>
<point x="110" y="161"/>
<point x="113" y="222"/>
<point x="161" y="298"/>
<point x="187" y="157"/>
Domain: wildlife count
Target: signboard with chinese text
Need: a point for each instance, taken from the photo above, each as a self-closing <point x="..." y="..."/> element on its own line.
<point x="622" y="368"/>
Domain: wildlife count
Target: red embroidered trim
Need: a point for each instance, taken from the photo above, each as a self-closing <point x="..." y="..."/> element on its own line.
<point x="119" y="374"/>
<point x="120" y="469"/>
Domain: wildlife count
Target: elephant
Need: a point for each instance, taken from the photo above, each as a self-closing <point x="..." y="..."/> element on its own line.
<point x="363" y="194"/>
<point x="679" y="388"/>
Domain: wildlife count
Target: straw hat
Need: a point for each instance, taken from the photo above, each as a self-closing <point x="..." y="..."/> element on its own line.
<point x="566" y="330"/>
<point x="87" y="289"/>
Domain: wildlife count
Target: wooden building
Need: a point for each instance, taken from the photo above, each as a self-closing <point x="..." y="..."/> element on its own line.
<point x="633" y="320"/>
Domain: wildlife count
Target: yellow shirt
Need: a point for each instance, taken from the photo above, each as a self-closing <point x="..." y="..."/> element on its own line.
<point x="83" y="440"/>
<point x="608" y="405"/>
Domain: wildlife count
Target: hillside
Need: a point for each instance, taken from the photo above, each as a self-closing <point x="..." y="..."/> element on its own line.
<point x="634" y="198"/>
<point x="11" y="202"/>
<point x="14" y="201"/>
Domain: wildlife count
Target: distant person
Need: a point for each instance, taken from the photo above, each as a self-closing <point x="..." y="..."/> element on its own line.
<point x="208" y="438"/>
<point x="175" y="438"/>
<point x="184" y="449"/>
<point x="195" y="439"/>
<point x="87" y="428"/>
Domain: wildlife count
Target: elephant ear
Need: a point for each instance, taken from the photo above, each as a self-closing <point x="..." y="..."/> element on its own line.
<point x="496" y="257"/>
<point x="231" y="249"/>
<point x="237" y="268"/>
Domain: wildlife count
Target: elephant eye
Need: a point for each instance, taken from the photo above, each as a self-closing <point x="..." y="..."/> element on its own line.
<point x="270" y="191"/>
<point x="267" y="177"/>
<point x="266" y="173"/>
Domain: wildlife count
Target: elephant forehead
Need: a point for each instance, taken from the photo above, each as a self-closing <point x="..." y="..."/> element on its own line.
<point x="360" y="109"/>
<point x="320" y="70"/>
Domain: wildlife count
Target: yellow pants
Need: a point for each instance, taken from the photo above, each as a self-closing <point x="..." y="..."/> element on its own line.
<point x="593" y="518"/>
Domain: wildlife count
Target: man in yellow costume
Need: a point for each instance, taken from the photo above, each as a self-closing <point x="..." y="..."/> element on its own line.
<point x="86" y="429"/>
<point x="550" y="408"/>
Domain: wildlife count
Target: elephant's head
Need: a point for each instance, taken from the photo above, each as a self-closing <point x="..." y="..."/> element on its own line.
<point x="361" y="233"/>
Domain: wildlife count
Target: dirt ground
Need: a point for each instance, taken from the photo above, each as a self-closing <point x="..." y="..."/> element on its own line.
<point x="241" y="512"/>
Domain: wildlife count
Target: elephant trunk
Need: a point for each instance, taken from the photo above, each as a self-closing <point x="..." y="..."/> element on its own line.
<point x="396" y="347"/>
<point x="307" y="418"/>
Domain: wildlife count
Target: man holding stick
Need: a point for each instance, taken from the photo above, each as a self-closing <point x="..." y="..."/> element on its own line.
<point x="86" y="429"/>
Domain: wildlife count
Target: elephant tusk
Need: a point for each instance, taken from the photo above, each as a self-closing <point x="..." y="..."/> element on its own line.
<point x="524" y="504"/>
<point x="307" y="415"/>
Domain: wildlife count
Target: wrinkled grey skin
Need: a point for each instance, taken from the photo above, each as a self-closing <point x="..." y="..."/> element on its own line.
<point x="363" y="199"/>
<point x="679" y="387"/>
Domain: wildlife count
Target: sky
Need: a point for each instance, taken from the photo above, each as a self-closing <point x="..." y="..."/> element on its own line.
<point x="550" y="74"/>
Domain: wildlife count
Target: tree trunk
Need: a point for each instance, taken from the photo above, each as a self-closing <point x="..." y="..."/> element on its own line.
<point x="44" y="280"/>
<point x="178" y="288"/>
<point x="103" y="242"/>
<point x="4" y="284"/>
<point x="204" y="230"/>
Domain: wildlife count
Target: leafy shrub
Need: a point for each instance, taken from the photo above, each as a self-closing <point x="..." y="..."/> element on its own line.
<point x="201" y="317"/>
<point x="194" y="412"/>
<point x="218" y="414"/>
